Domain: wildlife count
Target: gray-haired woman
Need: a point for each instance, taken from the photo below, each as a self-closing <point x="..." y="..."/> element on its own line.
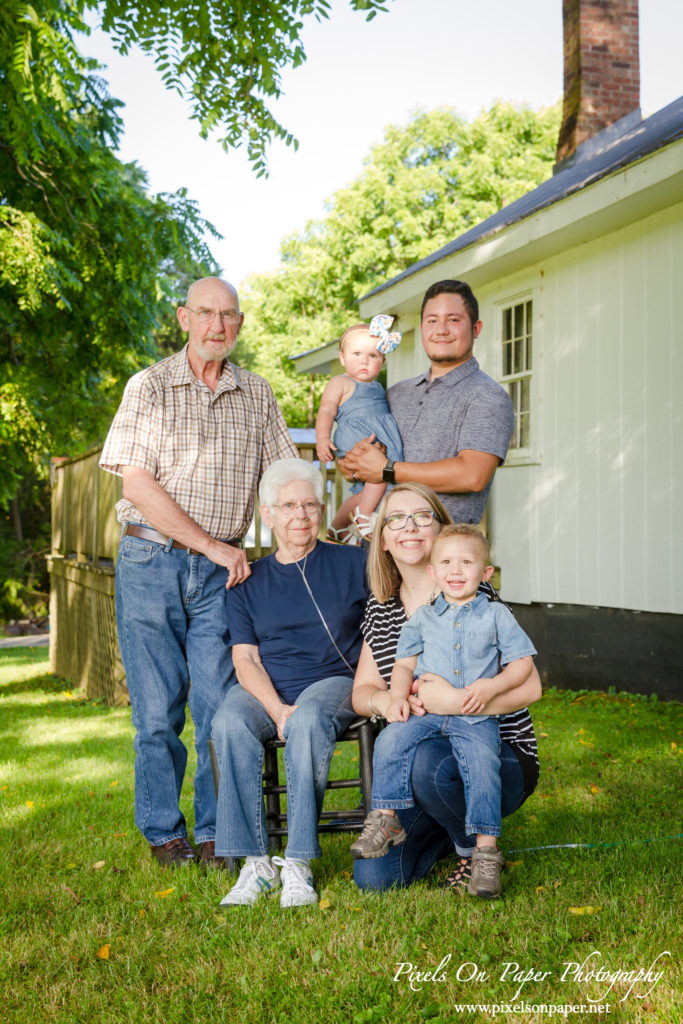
<point x="294" y="626"/>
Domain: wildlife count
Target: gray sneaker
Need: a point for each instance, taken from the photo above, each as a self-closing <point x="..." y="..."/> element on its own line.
<point x="380" y="831"/>
<point x="487" y="863"/>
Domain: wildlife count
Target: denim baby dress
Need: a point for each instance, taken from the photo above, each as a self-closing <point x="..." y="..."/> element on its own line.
<point x="366" y="412"/>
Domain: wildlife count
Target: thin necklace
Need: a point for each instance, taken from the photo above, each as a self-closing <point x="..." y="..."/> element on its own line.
<point x="322" y="617"/>
<point x="303" y="570"/>
<point x="296" y="562"/>
<point x="429" y="600"/>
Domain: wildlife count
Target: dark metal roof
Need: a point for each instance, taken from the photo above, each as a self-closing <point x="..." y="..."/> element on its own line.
<point x="635" y="142"/>
<point x="311" y="351"/>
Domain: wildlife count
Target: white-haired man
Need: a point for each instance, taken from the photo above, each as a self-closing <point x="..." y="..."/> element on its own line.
<point x="191" y="439"/>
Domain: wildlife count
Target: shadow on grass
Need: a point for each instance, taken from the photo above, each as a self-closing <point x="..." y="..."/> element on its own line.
<point x="54" y="740"/>
<point x="611" y="768"/>
<point x="47" y="683"/>
<point x="77" y="876"/>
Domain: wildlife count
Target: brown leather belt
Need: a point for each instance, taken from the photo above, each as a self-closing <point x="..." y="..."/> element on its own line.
<point x="147" y="533"/>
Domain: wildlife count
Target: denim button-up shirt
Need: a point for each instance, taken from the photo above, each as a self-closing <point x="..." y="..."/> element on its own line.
<point x="464" y="642"/>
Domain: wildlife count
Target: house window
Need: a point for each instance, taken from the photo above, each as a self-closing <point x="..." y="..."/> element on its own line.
<point x="516" y="339"/>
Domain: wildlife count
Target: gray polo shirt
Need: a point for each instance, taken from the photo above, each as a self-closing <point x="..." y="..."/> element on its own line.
<point x="464" y="409"/>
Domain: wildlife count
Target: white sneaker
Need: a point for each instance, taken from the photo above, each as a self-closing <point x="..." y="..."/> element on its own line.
<point x="297" y="883"/>
<point x="257" y="878"/>
<point x="361" y="526"/>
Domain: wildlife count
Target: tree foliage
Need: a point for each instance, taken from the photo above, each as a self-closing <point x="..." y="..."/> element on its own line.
<point x="426" y="183"/>
<point x="91" y="263"/>
<point x="225" y="57"/>
<point x="87" y="255"/>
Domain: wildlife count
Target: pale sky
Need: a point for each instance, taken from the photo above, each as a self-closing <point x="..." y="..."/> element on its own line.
<point x="358" y="78"/>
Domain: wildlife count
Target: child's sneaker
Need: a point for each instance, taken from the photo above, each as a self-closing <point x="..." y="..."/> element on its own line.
<point x="257" y="878"/>
<point x="297" y="883"/>
<point x="380" y="831"/>
<point x="487" y="863"/>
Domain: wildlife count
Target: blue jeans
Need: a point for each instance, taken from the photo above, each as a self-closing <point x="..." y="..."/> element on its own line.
<point x="436" y="825"/>
<point x="171" y="618"/>
<point x="475" y="746"/>
<point x="240" y="729"/>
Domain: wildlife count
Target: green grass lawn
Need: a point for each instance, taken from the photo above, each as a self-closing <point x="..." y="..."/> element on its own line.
<point x="91" y="930"/>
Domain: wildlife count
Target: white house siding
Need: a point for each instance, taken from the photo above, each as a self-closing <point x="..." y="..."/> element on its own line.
<point x="408" y="359"/>
<point x="598" y="520"/>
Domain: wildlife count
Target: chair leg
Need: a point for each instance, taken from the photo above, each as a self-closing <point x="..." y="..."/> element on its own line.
<point x="271" y="777"/>
<point x="366" y="744"/>
<point x="215" y="770"/>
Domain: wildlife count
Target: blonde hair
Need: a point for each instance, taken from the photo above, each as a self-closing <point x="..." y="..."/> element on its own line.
<point x="350" y="330"/>
<point x="383" y="574"/>
<point x="463" y="530"/>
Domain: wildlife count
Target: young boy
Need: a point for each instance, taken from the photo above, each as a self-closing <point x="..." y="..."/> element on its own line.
<point x="463" y="638"/>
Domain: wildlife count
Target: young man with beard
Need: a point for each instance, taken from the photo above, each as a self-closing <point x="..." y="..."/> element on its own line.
<point x="455" y="421"/>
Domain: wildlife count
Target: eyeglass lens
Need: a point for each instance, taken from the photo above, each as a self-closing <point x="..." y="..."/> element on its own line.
<point x="398" y="520"/>
<point x="290" y="507"/>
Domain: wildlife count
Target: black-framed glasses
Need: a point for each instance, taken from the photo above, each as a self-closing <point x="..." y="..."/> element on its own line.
<point x="207" y="316"/>
<point x="399" y="520"/>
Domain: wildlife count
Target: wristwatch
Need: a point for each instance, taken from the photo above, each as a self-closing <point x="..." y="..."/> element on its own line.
<point x="388" y="473"/>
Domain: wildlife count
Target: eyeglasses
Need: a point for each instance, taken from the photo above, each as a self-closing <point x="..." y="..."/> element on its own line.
<point x="290" y="508"/>
<point x="206" y="316"/>
<point x="399" y="520"/>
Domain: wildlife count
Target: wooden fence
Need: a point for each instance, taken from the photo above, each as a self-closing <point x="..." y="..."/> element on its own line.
<point x="85" y="539"/>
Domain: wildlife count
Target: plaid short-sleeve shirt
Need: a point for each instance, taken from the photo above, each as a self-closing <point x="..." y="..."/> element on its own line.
<point x="207" y="449"/>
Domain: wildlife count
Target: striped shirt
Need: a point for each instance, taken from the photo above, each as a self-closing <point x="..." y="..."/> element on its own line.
<point x="207" y="449"/>
<point x="381" y="627"/>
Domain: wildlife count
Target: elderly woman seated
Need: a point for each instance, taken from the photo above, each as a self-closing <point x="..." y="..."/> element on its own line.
<point x="294" y="626"/>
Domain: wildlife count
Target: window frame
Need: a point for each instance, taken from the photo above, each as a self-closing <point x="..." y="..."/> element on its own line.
<point x="527" y="455"/>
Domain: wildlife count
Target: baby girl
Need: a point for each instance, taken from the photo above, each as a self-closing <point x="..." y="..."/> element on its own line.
<point x="356" y="402"/>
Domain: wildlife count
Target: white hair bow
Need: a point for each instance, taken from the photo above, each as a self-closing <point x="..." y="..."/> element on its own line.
<point x="379" y="328"/>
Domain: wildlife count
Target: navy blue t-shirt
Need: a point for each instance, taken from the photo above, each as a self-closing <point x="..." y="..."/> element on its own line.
<point x="274" y="611"/>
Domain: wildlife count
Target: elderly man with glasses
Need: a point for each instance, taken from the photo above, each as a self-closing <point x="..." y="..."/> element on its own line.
<point x="191" y="439"/>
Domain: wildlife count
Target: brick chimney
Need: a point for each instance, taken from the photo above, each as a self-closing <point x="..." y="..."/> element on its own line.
<point x="601" y="69"/>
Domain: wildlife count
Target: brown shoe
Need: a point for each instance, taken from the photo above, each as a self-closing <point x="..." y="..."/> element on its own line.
<point x="380" y="831"/>
<point x="487" y="864"/>
<point x="208" y="859"/>
<point x="175" y="853"/>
